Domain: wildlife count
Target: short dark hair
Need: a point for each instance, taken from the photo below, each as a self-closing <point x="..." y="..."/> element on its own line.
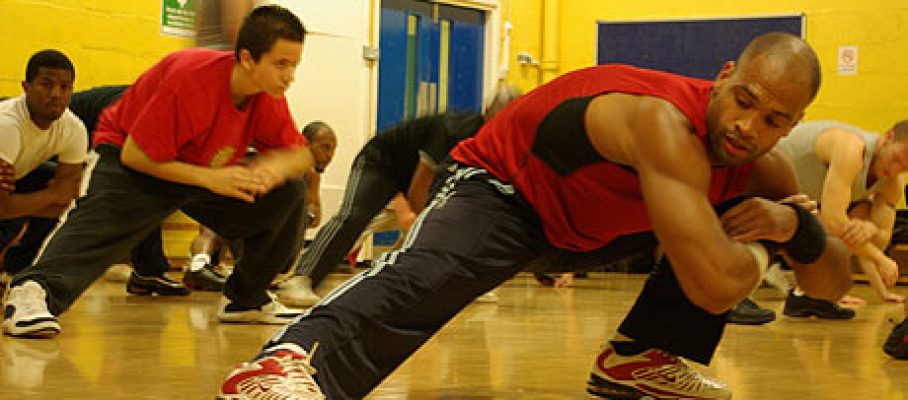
<point x="313" y="128"/>
<point x="47" y="59"/>
<point x="264" y="26"/>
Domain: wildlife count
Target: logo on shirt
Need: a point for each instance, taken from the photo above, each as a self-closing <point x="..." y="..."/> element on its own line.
<point x="222" y="157"/>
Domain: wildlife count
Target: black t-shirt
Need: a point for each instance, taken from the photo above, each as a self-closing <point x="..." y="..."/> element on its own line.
<point x="88" y="104"/>
<point x="398" y="148"/>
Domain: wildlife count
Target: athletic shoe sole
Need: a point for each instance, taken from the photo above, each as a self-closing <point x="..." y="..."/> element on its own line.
<point x="40" y="328"/>
<point x="256" y="317"/>
<point x="148" y="287"/>
<point x="602" y="389"/>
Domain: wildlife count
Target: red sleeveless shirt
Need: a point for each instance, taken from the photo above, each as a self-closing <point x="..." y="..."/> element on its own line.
<point x="585" y="207"/>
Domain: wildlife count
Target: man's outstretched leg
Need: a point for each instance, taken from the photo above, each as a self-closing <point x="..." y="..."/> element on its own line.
<point x="468" y="242"/>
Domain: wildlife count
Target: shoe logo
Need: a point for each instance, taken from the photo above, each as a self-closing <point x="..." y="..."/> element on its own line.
<point x="624" y="369"/>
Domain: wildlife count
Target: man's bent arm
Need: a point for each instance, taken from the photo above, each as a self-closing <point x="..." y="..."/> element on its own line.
<point x="48" y="202"/>
<point x="714" y="271"/>
<point x="829" y="277"/>
<point x="232" y="181"/>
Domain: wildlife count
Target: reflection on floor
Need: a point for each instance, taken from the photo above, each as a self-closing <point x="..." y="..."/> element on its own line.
<point x="537" y="343"/>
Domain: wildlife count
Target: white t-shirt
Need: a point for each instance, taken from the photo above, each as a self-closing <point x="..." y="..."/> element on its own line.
<point x="26" y="146"/>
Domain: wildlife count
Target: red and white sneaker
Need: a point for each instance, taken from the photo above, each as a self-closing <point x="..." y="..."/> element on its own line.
<point x="652" y="374"/>
<point x="284" y="373"/>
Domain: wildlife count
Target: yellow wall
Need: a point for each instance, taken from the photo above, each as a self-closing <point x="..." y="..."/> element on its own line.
<point x="109" y="41"/>
<point x="526" y="35"/>
<point x="872" y="99"/>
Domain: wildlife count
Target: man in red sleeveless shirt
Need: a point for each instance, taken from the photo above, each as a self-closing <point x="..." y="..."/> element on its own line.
<point x="176" y="141"/>
<point x="588" y="165"/>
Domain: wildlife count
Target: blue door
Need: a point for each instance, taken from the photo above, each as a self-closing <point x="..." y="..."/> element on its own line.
<point x="430" y="61"/>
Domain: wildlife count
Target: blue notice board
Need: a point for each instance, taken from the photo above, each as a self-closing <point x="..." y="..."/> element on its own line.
<point x="694" y="47"/>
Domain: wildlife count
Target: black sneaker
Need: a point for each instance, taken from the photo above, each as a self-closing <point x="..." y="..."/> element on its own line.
<point x="805" y="306"/>
<point x="544" y="279"/>
<point x="749" y="313"/>
<point x="897" y="343"/>
<point x="205" y="279"/>
<point x="148" y="285"/>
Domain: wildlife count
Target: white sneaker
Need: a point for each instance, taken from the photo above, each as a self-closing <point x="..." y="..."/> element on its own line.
<point x="118" y="273"/>
<point x="488" y="297"/>
<point x="284" y="373"/>
<point x="652" y="374"/>
<point x="272" y="313"/>
<point x="26" y="314"/>
<point x="297" y="292"/>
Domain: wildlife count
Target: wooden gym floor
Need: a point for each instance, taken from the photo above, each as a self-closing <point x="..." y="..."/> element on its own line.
<point x="537" y="343"/>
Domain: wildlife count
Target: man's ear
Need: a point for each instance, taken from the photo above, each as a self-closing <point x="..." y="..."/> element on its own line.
<point x="246" y="60"/>
<point x="727" y="70"/>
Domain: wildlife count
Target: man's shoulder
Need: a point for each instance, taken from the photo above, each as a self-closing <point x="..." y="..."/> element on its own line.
<point x="11" y="112"/>
<point x="822" y="127"/>
<point x="71" y="124"/>
<point x="191" y="70"/>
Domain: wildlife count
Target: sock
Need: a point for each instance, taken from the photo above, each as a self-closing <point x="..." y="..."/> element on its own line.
<point x="199" y="261"/>
<point x="626" y="346"/>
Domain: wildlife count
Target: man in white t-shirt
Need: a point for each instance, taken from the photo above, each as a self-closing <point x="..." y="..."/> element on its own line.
<point x="36" y="127"/>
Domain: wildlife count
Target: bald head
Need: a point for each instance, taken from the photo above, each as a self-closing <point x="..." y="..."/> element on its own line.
<point x="788" y="53"/>
<point x="322" y="143"/>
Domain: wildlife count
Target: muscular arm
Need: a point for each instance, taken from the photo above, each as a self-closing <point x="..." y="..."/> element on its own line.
<point x="882" y="210"/>
<point x="844" y="153"/>
<point x="654" y="138"/>
<point x="48" y="202"/>
<point x="830" y="276"/>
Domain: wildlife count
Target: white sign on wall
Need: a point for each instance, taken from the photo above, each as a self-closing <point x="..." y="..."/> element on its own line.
<point x="178" y="18"/>
<point x="848" y="60"/>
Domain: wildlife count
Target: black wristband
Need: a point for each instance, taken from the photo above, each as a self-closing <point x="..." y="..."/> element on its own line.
<point x="809" y="240"/>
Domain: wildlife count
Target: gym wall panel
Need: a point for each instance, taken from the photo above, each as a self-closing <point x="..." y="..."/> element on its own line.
<point x="526" y="36"/>
<point x="332" y="85"/>
<point x="109" y="41"/>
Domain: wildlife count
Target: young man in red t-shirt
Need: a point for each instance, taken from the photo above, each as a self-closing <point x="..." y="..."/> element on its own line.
<point x="176" y="140"/>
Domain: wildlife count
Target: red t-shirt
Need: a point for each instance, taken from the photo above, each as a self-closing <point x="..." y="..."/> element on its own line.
<point x="585" y="208"/>
<point x="181" y="109"/>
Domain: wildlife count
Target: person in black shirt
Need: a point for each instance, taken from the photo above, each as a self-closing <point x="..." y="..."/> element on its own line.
<point x="400" y="160"/>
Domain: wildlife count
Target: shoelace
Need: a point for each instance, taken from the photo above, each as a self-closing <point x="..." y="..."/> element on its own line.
<point x="299" y="370"/>
<point x="685" y="377"/>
